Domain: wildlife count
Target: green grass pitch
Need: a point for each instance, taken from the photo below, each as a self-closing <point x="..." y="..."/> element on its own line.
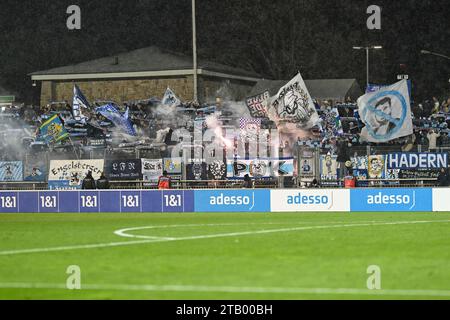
<point x="225" y="255"/>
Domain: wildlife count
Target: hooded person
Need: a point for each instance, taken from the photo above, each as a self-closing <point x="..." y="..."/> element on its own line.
<point x="103" y="182"/>
<point x="88" y="182"/>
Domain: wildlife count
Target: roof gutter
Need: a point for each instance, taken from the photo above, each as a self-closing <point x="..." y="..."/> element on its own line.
<point x="139" y="74"/>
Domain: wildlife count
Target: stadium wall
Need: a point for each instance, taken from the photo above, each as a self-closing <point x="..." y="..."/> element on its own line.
<point x="246" y="200"/>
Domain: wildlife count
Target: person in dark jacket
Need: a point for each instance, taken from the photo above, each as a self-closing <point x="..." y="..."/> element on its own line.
<point x="248" y="183"/>
<point x="103" y="182"/>
<point x="443" y="178"/>
<point x="343" y="155"/>
<point x="88" y="182"/>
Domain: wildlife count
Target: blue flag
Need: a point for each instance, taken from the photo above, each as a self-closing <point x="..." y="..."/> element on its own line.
<point x="123" y="122"/>
<point x="79" y="100"/>
<point x="52" y="130"/>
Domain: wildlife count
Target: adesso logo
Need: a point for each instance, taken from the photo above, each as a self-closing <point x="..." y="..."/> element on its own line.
<point x="310" y="200"/>
<point x="419" y="199"/>
<point x="232" y="200"/>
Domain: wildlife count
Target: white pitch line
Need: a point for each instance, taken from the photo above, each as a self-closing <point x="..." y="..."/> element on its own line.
<point x="199" y="237"/>
<point x="230" y="289"/>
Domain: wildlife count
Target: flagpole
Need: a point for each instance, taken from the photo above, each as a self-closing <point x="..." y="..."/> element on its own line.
<point x="73" y="147"/>
<point x="194" y="51"/>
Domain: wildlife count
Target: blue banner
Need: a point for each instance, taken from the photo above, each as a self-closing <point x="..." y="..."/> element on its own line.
<point x="395" y="199"/>
<point x="232" y="200"/>
<point x="411" y="160"/>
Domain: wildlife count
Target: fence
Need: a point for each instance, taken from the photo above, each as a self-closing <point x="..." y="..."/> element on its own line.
<point x="312" y="155"/>
<point x="226" y="200"/>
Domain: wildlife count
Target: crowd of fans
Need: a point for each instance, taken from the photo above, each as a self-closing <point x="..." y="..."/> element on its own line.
<point x="431" y="120"/>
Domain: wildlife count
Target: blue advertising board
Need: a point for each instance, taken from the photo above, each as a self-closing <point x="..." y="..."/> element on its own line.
<point x="395" y="199"/>
<point x="232" y="200"/>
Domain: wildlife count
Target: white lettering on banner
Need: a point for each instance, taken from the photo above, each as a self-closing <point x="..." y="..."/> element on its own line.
<point x="173" y="200"/>
<point x="393" y="160"/>
<point x="232" y="200"/>
<point x="413" y="160"/>
<point x="310" y="200"/>
<point x="130" y="201"/>
<point x="381" y="198"/>
<point x="89" y="201"/>
<point x="8" y="202"/>
<point x="417" y="160"/>
<point x="48" y="201"/>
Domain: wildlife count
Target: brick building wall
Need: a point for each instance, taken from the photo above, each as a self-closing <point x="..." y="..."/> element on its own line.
<point x="121" y="90"/>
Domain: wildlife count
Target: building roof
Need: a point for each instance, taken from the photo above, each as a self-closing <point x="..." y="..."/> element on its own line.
<point x="333" y="89"/>
<point x="141" y="62"/>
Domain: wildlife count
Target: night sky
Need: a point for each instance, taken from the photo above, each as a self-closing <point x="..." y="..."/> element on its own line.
<point x="273" y="38"/>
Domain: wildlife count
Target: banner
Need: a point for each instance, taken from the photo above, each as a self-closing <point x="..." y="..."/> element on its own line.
<point x="170" y="99"/>
<point x="306" y="200"/>
<point x="331" y="124"/>
<point x="293" y="103"/>
<point x="377" y="167"/>
<point x="152" y="169"/>
<point x="254" y="168"/>
<point x="79" y="100"/>
<point x="391" y="199"/>
<point x="249" y="129"/>
<point x="69" y="174"/>
<point x="122" y="122"/>
<point x="416" y="160"/>
<point x="360" y="167"/>
<point x="52" y="130"/>
<point x="11" y="171"/>
<point x="129" y="169"/>
<point x="217" y="170"/>
<point x="196" y="171"/>
<point x="257" y="105"/>
<point x="172" y="165"/>
<point x="307" y="167"/>
<point x="328" y="167"/>
<point x="284" y="167"/>
<point x="35" y="169"/>
<point x="418" y="174"/>
<point x="386" y="113"/>
<point x="376" y="87"/>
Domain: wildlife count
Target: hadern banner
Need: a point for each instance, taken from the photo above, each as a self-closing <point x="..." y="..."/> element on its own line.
<point x="129" y="169"/>
<point x="413" y="160"/>
<point x="69" y="174"/>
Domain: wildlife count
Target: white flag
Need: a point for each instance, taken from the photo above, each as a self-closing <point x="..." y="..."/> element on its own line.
<point x="170" y="99"/>
<point x="386" y="113"/>
<point x="294" y="104"/>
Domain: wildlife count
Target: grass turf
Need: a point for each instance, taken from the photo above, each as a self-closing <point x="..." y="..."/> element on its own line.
<point x="412" y="256"/>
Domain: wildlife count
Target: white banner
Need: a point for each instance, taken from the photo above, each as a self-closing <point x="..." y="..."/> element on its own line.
<point x="386" y="113"/>
<point x="294" y="104"/>
<point x="152" y="169"/>
<point x="305" y="200"/>
<point x="69" y="174"/>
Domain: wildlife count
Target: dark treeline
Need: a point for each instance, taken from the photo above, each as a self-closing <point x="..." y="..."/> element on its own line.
<point x="273" y="38"/>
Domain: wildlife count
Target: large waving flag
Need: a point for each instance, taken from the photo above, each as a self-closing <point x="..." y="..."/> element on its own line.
<point x="294" y="104"/>
<point x="386" y="113"/>
<point x="170" y="99"/>
<point x="79" y="101"/>
<point x="52" y="130"/>
<point x="123" y="122"/>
